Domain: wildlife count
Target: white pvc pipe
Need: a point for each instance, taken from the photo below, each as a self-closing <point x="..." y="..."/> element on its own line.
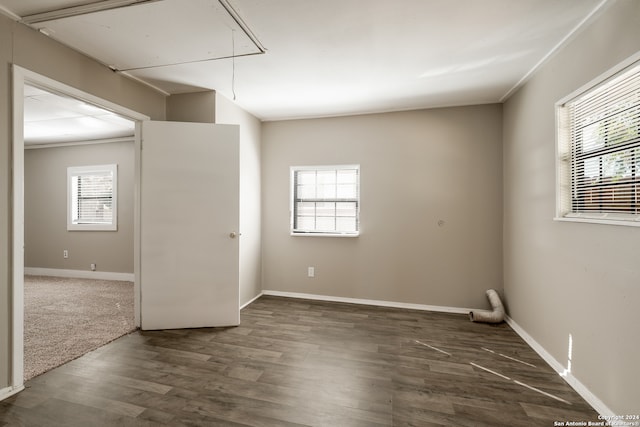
<point x="495" y="316"/>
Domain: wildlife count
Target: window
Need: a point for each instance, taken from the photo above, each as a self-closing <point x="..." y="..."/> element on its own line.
<point x="92" y="197"/>
<point x="325" y="200"/>
<point x="599" y="151"/>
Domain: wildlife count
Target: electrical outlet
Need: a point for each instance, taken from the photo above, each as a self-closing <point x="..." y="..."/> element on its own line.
<point x="65" y="254"/>
<point x="93" y="267"/>
<point x="311" y="272"/>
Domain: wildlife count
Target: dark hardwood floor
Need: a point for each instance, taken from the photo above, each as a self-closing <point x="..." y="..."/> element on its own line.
<point x="299" y="362"/>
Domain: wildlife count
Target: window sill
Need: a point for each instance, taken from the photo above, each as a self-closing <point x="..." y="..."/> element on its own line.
<point x="602" y="221"/>
<point x="298" y="234"/>
<point x="91" y="227"/>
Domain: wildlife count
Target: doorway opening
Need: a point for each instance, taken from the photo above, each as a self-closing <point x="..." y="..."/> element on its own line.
<point x="78" y="286"/>
<point x="26" y="82"/>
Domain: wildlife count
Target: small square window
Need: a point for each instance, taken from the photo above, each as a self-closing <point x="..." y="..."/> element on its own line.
<point x="92" y="198"/>
<point x="325" y="200"/>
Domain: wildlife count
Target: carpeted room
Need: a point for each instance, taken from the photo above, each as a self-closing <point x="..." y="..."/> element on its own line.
<point x="68" y="317"/>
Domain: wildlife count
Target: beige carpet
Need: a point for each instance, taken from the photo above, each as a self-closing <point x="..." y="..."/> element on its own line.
<point x="66" y="318"/>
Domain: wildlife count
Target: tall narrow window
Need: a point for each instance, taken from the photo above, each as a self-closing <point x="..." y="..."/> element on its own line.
<point x="325" y="200"/>
<point x="599" y="150"/>
<point x="92" y="197"/>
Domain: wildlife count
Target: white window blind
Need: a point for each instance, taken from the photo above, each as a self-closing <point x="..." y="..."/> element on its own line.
<point x="599" y="149"/>
<point x="92" y="197"/>
<point x="325" y="200"/>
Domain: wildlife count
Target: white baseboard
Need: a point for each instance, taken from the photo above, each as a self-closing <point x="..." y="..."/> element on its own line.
<point x="250" y="301"/>
<point x="79" y="274"/>
<point x="10" y="391"/>
<point x="580" y="388"/>
<point x="380" y="303"/>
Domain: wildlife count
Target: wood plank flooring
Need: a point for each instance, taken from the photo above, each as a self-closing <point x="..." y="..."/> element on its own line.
<point x="306" y="363"/>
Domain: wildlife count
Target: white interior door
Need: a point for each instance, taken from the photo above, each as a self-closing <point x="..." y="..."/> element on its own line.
<point x="189" y="225"/>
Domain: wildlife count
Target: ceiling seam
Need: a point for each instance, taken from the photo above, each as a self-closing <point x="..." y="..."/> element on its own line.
<point x="37" y="146"/>
<point x="68" y="12"/>
<point x="243" y="25"/>
<point x="565" y="40"/>
<point x="8" y="13"/>
<point x="195" y="61"/>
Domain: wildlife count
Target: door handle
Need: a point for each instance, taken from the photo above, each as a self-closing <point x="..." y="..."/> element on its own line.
<point x="233" y="234"/>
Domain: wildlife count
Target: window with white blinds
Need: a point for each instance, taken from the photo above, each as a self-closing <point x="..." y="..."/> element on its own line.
<point x="92" y="197"/>
<point x="325" y="200"/>
<point x="599" y="151"/>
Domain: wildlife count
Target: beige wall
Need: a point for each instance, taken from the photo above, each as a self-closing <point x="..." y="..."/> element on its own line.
<point x="250" y="187"/>
<point x="45" y="189"/>
<point x="563" y="278"/>
<point x="417" y="168"/>
<point x="211" y="107"/>
<point x="197" y="107"/>
<point x="38" y="53"/>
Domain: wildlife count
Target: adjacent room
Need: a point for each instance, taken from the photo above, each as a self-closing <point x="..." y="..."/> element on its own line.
<point x="347" y="212"/>
<point x="72" y="303"/>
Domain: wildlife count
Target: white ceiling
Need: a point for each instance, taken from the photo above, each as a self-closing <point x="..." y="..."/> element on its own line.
<point x="323" y="58"/>
<point x="51" y="118"/>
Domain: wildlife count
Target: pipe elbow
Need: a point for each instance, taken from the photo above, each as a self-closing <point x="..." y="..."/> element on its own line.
<point x="485" y="316"/>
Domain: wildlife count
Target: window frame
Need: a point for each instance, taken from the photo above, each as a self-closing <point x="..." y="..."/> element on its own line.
<point x="564" y="154"/>
<point x="292" y="201"/>
<point x="89" y="170"/>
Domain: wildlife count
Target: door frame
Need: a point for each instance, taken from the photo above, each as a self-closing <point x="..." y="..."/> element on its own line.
<point x="22" y="76"/>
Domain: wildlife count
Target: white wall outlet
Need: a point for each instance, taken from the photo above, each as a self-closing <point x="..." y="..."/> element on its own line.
<point x="65" y="254"/>
<point x="93" y="267"/>
<point x="311" y="272"/>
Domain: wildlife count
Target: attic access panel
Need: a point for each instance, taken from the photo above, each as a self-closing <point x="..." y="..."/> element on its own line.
<point x="156" y="33"/>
